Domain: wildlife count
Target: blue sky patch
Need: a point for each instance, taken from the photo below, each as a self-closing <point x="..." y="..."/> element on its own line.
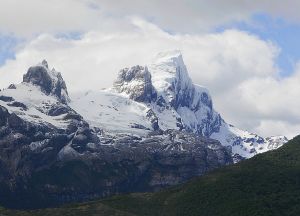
<point x="76" y="35"/>
<point x="283" y="34"/>
<point x="7" y="48"/>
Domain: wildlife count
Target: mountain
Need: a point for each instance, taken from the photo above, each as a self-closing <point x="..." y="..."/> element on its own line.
<point x="162" y="96"/>
<point x="265" y="185"/>
<point x="153" y="129"/>
<point x="51" y="154"/>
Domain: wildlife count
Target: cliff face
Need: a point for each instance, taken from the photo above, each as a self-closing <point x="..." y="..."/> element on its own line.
<point x="136" y="82"/>
<point x="50" y="81"/>
<point x="43" y="166"/>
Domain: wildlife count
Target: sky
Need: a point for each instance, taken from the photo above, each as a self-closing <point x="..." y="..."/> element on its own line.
<point x="245" y="52"/>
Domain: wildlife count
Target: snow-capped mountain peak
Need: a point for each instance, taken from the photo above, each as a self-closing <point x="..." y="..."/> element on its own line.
<point x="170" y="77"/>
<point x="167" y="56"/>
<point x="50" y="81"/>
<point x="162" y="96"/>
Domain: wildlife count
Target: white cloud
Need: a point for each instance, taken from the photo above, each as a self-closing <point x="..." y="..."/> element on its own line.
<point x="278" y="128"/>
<point x="237" y="67"/>
<point x="272" y="103"/>
<point x="198" y="15"/>
<point x="33" y="17"/>
<point x="27" y="19"/>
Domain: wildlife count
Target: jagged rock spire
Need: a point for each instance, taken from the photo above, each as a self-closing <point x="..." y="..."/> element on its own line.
<point x="50" y="81"/>
<point x="136" y="82"/>
<point x="45" y="63"/>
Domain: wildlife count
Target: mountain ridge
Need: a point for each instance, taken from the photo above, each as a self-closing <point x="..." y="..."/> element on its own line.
<point x="150" y="131"/>
<point x="165" y="89"/>
<point x="50" y="154"/>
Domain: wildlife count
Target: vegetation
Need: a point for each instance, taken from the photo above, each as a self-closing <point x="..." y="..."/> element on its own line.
<point x="268" y="184"/>
<point x="90" y="209"/>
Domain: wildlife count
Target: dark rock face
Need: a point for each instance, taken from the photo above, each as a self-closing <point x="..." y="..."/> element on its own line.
<point x="27" y="147"/>
<point x="136" y="82"/>
<point x="44" y="166"/>
<point x="59" y="109"/>
<point x="153" y="119"/>
<point x="183" y="92"/>
<point x="12" y="86"/>
<point x="3" y="116"/>
<point x="196" y="99"/>
<point x="38" y="75"/>
<point x="35" y="177"/>
<point x="18" y="104"/>
<point x="50" y="82"/>
<point x="6" y="98"/>
<point x="205" y="99"/>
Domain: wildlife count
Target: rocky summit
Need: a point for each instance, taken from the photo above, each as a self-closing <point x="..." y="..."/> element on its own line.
<point x="162" y="96"/>
<point x="50" y="81"/>
<point x="154" y="128"/>
<point x="136" y="82"/>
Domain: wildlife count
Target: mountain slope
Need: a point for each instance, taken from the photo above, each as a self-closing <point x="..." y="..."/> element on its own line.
<point x="162" y="96"/>
<point x="265" y="185"/>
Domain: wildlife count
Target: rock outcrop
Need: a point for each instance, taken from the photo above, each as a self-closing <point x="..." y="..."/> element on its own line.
<point x="136" y="82"/>
<point x="50" y="81"/>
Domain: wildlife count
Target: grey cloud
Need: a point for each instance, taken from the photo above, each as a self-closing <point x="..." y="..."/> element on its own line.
<point x="185" y="16"/>
<point x="192" y="16"/>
